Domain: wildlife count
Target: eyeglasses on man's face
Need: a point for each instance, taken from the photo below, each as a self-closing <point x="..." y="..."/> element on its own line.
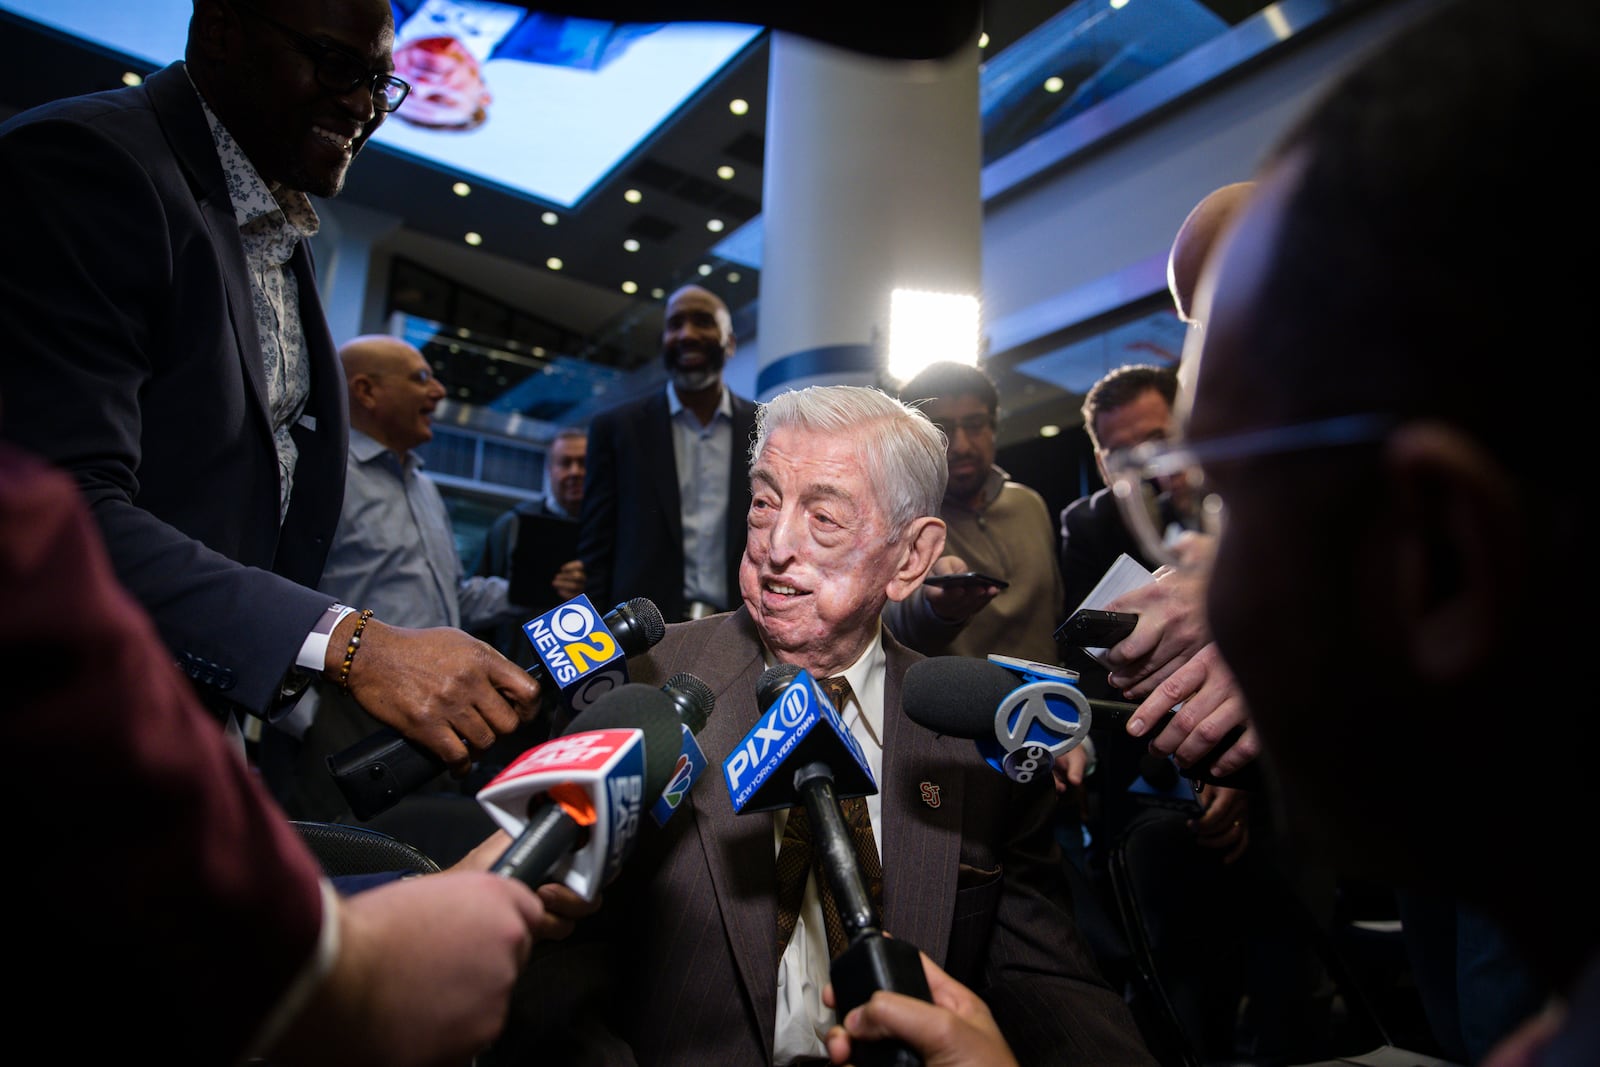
<point x="971" y="425"/>
<point x="337" y="70"/>
<point x="1162" y="490"/>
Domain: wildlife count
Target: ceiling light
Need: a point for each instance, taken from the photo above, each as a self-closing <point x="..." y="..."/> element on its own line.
<point x="1117" y="5"/>
<point x="1054" y="84"/>
<point x="704" y="269"/>
<point x="983" y="40"/>
<point x="714" y="225"/>
<point x="632" y="196"/>
<point x="130" y="79"/>
<point x="473" y="238"/>
<point x="734" y="276"/>
<point x="461" y="189"/>
<point x="553" y="263"/>
<point x="1050" y="430"/>
<point x="630" y="287"/>
<point x="538" y="350"/>
<point x="738" y="107"/>
<point x="549" y="218"/>
<point x="658" y="292"/>
<point x="725" y="172"/>
<point x="631" y="245"/>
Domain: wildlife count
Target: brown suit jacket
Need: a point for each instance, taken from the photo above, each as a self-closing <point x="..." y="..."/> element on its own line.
<point x="684" y="950"/>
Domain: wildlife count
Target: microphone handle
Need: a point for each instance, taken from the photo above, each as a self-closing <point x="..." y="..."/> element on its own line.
<point x="870" y="961"/>
<point x="1118" y="712"/>
<point x="377" y="772"/>
<point x="550" y="835"/>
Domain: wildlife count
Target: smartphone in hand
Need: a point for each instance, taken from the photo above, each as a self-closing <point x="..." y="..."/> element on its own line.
<point x="966" y="578"/>
<point x="1091" y="628"/>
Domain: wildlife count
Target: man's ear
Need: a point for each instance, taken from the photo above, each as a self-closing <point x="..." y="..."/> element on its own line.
<point x="360" y="387"/>
<point x="1460" y="551"/>
<point x="920" y="545"/>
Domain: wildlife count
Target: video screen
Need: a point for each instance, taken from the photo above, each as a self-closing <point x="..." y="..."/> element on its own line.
<point x="541" y="105"/>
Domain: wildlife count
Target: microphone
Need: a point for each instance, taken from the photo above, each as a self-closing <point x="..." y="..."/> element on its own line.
<point x="801" y="751"/>
<point x="1024" y="714"/>
<point x="573" y="803"/>
<point x="580" y="658"/>
<point x="693" y="702"/>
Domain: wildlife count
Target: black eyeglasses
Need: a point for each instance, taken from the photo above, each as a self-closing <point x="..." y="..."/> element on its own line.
<point x="971" y="425"/>
<point x="338" y="71"/>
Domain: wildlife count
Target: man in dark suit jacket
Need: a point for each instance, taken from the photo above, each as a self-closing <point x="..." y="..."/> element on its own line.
<point x="687" y="947"/>
<point x="166" y="346"/>
<point x="641" y="533"/>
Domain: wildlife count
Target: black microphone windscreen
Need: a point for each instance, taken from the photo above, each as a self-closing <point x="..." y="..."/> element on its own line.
<point x="773" y="681"/>
<point x="636" y="706"/>
<point x="693" y="699"/>
<point x="956" y="695"/>
<point x="637" y="625"/>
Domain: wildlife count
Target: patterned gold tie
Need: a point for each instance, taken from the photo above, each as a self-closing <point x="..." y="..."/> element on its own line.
<point x="796" y="859"/>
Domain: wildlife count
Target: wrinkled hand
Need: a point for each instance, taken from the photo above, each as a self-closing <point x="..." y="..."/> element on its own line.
<point x="1172" y="627"/>
<point x="956" y="1030"/>
<point x="1212" y="707"/>
<point x="424" y="973"/>
<point x="439" y="687"/>
<point x="1225" y="821"/>
<point x="956" y="603"/>
<point x="569" y="580"/>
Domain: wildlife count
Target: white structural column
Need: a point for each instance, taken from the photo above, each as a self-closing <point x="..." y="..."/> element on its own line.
<point x="871" y="184"/>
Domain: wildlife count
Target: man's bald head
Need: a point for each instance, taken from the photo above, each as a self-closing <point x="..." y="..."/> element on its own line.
<point x="392" y="391"/>
<point x="1195" y="240"/>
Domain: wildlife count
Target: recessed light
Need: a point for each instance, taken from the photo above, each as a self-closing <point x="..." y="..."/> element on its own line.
<point x="1117" y="5"/>
<point x="1054" y="84"/>
<point x="130" y="79"/>
<point x="983" y="40"/>
<point x="630" y="287"/>
<point x="738" y="107"/>
<point x="461" y="189"/>
<point x="725" y="172"/>
<point x="632" y="196"/>
<point x="631" y="245"/>
<point x="473" y="238"/>
<point x="1050" y="430"/>
<point x="658" y="292"/>
<point x="549" y="218"/>
<point x="461" y="331"/>
<point x="733" y="277"/>
<point x="704" y="269"/>
<point x="714" y="225"/>
<point x="553" y="263"/>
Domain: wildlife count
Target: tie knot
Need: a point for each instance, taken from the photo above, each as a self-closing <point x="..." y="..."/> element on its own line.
<point x="838" y="690"/>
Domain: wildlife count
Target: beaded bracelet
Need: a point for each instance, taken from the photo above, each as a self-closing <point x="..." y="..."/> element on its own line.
<point x="350" y="649"/>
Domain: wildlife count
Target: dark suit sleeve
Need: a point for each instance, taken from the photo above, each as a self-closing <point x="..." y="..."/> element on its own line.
<point x="597" y="533"/>
<point x="1040" y="980"/>
<point x="1084" y="551"/>
<point x="87" y="308"/>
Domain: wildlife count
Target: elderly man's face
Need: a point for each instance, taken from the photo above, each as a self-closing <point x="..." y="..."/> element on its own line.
<point x="818" y="565"/>
<point x="295" y="130"/>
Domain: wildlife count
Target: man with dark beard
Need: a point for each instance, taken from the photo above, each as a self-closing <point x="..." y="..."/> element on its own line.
<point x="669" y="477"/>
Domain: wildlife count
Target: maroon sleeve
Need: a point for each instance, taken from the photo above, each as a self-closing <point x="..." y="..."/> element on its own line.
<point x="165" y="903"/>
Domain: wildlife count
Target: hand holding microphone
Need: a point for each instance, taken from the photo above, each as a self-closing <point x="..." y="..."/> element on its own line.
<point x="581" y="656"/>
<point x="1024" y="714"/>
<point x="574" y="802"/>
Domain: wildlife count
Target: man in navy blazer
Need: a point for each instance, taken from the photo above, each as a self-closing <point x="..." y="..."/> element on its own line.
<point x="166" y="346"/>
<point x="669" y="476"/>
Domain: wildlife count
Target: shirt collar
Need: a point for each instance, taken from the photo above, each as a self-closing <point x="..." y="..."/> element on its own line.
<point x="993" y="483"/>
<point x="366" y="449"/>
<point x="553" y="507"/>
<point x="250" y="194"/>
<point x="724" y="403"/>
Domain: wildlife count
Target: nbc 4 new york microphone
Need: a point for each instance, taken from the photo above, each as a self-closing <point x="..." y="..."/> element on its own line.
<point x="801" y="751"/>
<point x="573" y="804"/>
<point x="581" y="657"/>
<point x="1024" y="714"/>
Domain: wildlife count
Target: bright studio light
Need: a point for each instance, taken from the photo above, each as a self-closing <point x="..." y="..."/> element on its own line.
<point x="927" y="327"/>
